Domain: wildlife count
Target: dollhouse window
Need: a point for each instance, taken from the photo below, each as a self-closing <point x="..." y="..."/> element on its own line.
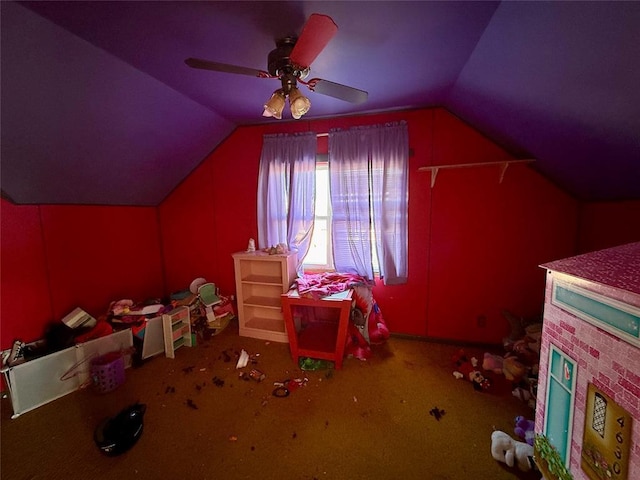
<point x="619" y="319"/>
<point x="599" y="419"/>
<point x="561" y="386"/>
<point x="606" y="437"/>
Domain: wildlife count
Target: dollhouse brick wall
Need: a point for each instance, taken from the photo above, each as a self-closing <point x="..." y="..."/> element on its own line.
<point x="610" y="363"/>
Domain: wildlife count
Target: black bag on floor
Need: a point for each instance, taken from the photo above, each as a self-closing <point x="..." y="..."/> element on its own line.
<point x="118" y="434"/>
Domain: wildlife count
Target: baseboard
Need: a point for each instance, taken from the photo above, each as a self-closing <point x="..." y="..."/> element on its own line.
<point x="447" y="341"/>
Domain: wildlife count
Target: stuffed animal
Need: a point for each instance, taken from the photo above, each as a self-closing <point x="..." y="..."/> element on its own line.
<point x="493" y="363"/>
<point x="512" y="452"/>
<point x="525" y="429"/>
<point x="509" y="365"/>
<point x="525" y="396"/>
<point x="522" y="350"/>
<point x="513" y="369"/>
<point x="468" y="368"/>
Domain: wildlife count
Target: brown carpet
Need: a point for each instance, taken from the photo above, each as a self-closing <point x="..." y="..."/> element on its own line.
<point x="369" y="420"/>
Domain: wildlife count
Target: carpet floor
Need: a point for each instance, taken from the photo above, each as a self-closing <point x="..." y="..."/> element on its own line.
<point x="372" y="419"/>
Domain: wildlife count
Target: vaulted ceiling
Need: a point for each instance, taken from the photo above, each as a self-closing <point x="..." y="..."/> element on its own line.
<point x="98" y="106"/>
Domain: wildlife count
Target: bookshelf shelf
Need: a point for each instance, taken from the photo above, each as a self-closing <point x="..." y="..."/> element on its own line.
<point x="176" y="326"/>
<point x="261" y="279"/>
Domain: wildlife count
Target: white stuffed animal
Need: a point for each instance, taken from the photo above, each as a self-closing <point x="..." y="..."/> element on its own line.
<point x="512" y="452"/>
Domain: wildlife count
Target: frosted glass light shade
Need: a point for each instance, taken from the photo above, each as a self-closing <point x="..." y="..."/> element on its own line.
<point x="275" y="105"/>
<point x="299" y="103"/>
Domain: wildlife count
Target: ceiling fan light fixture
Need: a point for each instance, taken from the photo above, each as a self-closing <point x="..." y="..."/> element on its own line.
<point x="290" y="62"/>
<point x="275" y="105"/>
<point x="299" y="103"/>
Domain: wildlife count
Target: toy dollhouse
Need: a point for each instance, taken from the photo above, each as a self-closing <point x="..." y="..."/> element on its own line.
<point x="588" y="403"/>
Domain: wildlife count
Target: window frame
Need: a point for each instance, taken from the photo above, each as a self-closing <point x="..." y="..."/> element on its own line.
<point x="322" y="161"/>
<point x="560" y="401"/>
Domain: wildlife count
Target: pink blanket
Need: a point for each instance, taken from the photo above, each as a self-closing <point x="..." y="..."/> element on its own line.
<point x="318" y="285"/>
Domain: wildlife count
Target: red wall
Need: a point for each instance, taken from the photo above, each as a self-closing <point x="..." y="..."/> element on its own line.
<point x="488" y="238"/>
<point x="213" y="213"/>
<point x="474" y="243"/>
<point x="25" y="305"/>
<point x="56" y="258"/>
<point x="608" y="224"/>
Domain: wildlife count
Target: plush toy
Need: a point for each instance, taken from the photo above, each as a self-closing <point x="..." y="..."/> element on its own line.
<point x="522" y="350"/>
<point x="468" y="368"/>
<point x="525" y="396"/>
<point x="534" y="334"/>
<point x="512" y="452"/>
<point x="524" y="339"/>
<point x="525" y="429"/>
<point x="513" y="369"/>
<point x="493" y="363"/>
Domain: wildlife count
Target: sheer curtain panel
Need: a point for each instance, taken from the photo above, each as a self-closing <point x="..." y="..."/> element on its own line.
<point x="286" y="191"/>
<point x="369" y="178"/>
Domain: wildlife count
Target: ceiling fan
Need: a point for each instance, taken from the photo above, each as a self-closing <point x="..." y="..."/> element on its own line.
<point x="291" y="62"/>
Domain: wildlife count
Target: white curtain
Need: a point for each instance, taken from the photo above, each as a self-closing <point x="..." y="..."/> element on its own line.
<point x="369" y="181"/>
<point x="286" y="191"/>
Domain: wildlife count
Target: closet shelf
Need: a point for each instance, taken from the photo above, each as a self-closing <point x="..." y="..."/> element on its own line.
<point x="503" y="164"/>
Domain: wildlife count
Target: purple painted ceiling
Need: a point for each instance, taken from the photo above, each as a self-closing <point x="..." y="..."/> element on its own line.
<point x="98" y="106"/>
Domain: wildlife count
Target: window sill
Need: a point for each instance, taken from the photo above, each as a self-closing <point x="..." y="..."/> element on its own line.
<point x="312" y="270"/>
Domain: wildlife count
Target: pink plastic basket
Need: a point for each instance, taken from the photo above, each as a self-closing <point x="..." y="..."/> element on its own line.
<point x="107" y="371"/>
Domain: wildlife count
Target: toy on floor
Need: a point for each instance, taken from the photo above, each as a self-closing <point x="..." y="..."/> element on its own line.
<point x="468" y="368"/>
<point x="493" y="363"/>
<point x="526" y="396"/>
<point x="525" y="429"/>
<point x="512" y="369"/>
<point x="367" y="325"/>
<point x="512" y="452"/>
<point x="525" y="337"/>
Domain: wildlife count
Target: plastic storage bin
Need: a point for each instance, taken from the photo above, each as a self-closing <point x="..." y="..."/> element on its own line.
<point x="107" y="371"/>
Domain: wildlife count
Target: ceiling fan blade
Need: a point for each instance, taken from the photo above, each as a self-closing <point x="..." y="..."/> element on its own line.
<point x="316" y="34"/>
<point x="336" y="90"/>
<point x="224" y="67"/>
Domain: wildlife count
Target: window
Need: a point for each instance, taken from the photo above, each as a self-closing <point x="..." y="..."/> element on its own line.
<point x="356" y="217"/>
<point x="320" y="256"/>
<point x="369" y="193"/>
<point x="286" y="191"/>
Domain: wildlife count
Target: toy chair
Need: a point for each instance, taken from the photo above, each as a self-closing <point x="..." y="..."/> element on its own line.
<point x="209" y="298"/>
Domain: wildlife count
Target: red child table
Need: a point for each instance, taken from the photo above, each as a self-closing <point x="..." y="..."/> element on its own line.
<point x="317" y="328"/>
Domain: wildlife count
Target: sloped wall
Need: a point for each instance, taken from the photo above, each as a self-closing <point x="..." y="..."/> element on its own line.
<point x="474" y="243"/>
<point x="212" y="214"/>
